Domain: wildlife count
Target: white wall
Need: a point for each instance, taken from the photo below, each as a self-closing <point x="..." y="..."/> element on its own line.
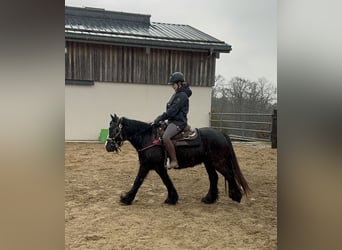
<point x="88" y="108"/>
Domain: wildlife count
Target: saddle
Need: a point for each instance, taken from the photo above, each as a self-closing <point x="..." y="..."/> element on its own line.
<point x="186" y="137"/>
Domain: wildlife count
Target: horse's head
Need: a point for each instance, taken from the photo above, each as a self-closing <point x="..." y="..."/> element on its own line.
<point x="115" y="138"/>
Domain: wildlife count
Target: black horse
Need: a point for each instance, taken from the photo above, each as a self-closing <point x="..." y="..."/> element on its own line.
<point x="215" y="150"/>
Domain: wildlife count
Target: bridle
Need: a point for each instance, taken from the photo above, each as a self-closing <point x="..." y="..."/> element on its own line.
<point x="117" y="140"/>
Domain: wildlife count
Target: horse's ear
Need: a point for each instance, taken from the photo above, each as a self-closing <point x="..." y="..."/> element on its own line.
<point x="113" y="117"/>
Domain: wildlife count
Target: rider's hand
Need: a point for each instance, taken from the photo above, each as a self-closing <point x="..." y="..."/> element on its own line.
<point x="157" y="120"/>
<point x="160" y="118"/>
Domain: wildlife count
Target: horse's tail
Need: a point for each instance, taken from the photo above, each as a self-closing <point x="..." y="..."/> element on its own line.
<point x="238" y="176"/>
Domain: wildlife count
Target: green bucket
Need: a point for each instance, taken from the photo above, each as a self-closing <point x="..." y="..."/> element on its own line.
<point x="103" y="135"/>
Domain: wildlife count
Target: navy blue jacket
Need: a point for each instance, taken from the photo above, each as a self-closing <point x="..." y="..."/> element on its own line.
<point x="177" y="108"/>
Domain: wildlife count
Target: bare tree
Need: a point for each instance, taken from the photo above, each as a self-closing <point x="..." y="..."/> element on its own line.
<point x="243" y="95"/>
<point x="238" y="92"/>
<point x="219" y="95"/>
<point x="267" y="91"/>
<point x="230" y="100"/>
<point x="220" y="89"/>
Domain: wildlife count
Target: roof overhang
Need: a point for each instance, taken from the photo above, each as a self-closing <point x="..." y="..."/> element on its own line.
<point x="200" y="46"/>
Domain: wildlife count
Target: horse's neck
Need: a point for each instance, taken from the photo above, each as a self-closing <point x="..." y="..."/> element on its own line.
<point x="138" y="133"/>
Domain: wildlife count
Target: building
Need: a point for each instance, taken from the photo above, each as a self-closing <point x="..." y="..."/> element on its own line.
<point x="119" y="63"/>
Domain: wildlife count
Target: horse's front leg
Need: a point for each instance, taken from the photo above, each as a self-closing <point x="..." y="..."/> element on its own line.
<point x="130" y="195"/>
<point x="172" y="196"/>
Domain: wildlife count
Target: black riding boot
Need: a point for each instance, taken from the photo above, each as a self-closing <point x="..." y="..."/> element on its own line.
<point x="172" y="153"/>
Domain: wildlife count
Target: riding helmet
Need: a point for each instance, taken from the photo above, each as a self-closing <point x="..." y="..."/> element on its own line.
<point x="176" y="77"/>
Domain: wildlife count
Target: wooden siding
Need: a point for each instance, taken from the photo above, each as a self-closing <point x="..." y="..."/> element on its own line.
<point x="109" y="63"/>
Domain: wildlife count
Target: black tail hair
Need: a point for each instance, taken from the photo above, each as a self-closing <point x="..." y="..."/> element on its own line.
<point x="238" y="176"/>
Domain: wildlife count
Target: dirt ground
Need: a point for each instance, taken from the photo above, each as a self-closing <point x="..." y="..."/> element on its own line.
<point x="95" y="219"/>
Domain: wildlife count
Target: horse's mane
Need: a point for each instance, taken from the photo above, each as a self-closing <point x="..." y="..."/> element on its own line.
<point x="136" y="126"/>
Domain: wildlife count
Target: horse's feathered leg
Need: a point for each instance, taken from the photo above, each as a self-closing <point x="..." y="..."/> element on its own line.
<point x="240" y="185"/>
<point x="212" y="194"/>
<point x="224" y="167"/>
<point x="172" y="196"/>
<point x="229" y="168"/>
<point x="130" y="195"/>
<point x="235" y="193"/>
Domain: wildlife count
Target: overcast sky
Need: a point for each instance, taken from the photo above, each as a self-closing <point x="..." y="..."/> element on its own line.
<point x="249" y="26"/>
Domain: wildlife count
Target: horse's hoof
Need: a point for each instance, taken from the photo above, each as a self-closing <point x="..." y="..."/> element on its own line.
<point x="235" y="196"/>
<point x="125" y="201"/>
<point x="236" y="199"/>
<point x="207" y="200"/>
<point x="170" y="201"/>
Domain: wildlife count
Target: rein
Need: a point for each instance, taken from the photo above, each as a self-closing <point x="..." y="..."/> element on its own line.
<point x="154" y="143"/>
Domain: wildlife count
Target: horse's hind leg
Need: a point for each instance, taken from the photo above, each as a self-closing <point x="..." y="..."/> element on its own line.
<point x="130" y="195"/>
<point x="226" y="169"/>
<point x="212" y="194"/>
<point x="172" y="196"/>
<point x="234" y="191"/>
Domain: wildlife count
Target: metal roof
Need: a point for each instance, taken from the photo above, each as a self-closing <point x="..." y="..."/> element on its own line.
<point x="129" y="29"/>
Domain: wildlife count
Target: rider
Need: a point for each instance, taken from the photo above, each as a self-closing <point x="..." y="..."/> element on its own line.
<point x="176" y="113"/>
